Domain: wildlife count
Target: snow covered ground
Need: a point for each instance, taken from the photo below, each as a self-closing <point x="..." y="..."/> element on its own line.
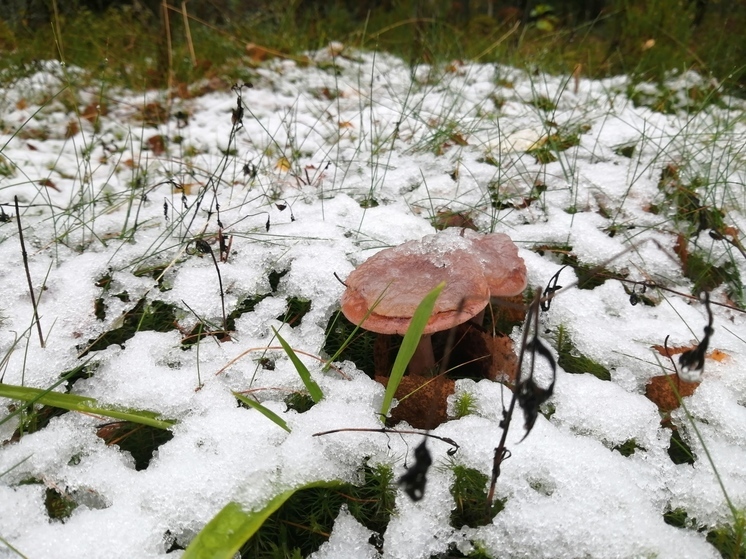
<point x="364" y="151"/>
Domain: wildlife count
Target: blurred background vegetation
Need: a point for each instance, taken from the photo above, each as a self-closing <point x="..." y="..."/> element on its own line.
<point x="153" y="43"/>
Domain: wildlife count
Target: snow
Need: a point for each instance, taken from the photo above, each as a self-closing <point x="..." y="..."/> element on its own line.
<point x="361" y="170"/>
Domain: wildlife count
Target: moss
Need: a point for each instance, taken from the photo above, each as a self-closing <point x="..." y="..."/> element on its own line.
<point x="589" y="277"/>
<point x="59" y="506"/>
<point x="360" y="349"/>
<point x="574" y="362"/>
<point x="141" y="441"/>
<point x="299" y="401"/>
<point x="155" y="315"/>
<point x="296" y="310"/>
<point x="543" y="103"/>
<point x="627" y="448"/>
<point x="306" y="520"/>
<point x="469" y="491"/>
<point x="678" y="450"/>
<point x="730" y="540"/>
<point x="544" y="151"/>
<point x="464" y="404"/>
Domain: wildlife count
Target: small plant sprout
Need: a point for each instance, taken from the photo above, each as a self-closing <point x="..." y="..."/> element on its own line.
<point x="464" y="404"/>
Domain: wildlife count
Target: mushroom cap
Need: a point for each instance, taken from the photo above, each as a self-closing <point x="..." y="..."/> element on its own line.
<point x="401" y="276"/>
<point x="504" y="269"/>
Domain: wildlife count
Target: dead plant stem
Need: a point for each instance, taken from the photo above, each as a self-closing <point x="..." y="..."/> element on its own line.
<point x="28" y="274"/>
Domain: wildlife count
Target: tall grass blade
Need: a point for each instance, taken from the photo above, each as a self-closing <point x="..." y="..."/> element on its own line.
<point x="84" y="404"/>
<point x="228" y="530"/>
<point x="409" y="345"/>
<point x="268" y="413"/>
<point x="305" y="374"/>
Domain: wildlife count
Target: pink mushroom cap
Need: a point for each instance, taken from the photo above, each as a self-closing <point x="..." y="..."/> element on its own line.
<point x="504" y="269"/>
<point x="401" y="277"/>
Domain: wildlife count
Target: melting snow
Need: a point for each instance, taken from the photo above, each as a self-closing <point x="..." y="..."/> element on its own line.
<point x="315" y="184"/>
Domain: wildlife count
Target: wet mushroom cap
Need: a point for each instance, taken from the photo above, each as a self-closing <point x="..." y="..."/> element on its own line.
<point x="403" y="275"/>
<point x="504" y="269"/>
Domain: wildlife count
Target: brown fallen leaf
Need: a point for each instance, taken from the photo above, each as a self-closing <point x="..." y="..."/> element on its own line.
<point x="662" y="391"/>
<point x="72" y="129"/>
<point x="448" y="218"/>
<point x="93" y="111"/>
<point x="716" y="354"/>
<point x="157" y="144"/>
<point x="49" y="184"/>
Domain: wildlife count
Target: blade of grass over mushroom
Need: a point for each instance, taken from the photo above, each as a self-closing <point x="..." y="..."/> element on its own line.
<point x="228" y="530"/>
<point x="83" y="404"/>
<point x="305" y="374"/>
<point x="268" y="413"/>
<point x="409" y="344"/>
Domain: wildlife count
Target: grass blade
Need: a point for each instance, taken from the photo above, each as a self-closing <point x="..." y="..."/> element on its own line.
<point x="228" y="530"/>
<point x="268" y="413"/>
<point x="84" y="404"/>
<point x="305" y="374"/>
<point x="409" y="345"/>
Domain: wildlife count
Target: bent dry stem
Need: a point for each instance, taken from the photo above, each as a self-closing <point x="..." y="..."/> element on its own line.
<point x="28" y="274"/>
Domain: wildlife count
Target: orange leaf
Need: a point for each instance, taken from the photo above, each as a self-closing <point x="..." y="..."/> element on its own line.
<point x="717" y="355"/>
<point x="662" y="391"/>
<point x="283" y="164"/>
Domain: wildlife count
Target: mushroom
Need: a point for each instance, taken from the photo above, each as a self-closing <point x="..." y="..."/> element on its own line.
<point x="474" y="267"/>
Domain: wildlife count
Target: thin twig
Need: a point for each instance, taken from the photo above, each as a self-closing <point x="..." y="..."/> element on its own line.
<point x="446" y="440"/>
<point x="204" y="247"/>
<point x="28" y="274"/>
<point x="192" y="53"/>
<point x="501" y="452"/>
<point x="274" y="348"/>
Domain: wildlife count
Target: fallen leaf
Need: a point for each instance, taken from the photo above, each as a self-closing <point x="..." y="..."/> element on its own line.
<point x="157" y="144"/>
<point x="153" y="114"/>
<point x="283" y="164"/>
<point x="662" y="391"/>
<point x="681" y="248"/>
<point x="716" y="354"/>
<point x="448" y="218"/>
<point x="49" y="184"/>
<point x="186" y="187"/>
<point x="72" y="129"/>
<point x="459" y="139"/>
<point x="93" y="111"/>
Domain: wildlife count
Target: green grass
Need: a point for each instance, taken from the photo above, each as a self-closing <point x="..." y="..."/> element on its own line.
<point x="629" y="36"/>
<point x="116" y="49"/>
<point x="296" y="522"/>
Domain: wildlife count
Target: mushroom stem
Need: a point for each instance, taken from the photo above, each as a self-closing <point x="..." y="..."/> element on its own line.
<point x="478" y="318"/>
<point x="423" y="360"/>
